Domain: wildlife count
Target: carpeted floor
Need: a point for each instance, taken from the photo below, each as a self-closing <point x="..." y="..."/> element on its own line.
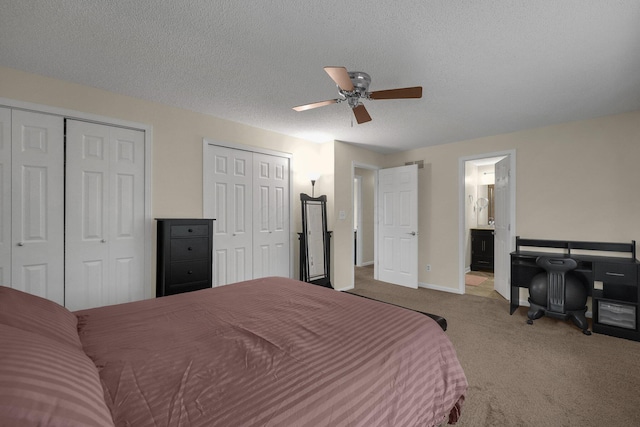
<point x="547" y="374"/>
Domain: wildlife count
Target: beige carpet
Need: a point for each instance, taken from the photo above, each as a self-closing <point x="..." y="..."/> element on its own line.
<point x="547" y="374"/>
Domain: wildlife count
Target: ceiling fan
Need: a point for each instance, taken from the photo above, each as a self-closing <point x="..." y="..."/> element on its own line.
<point x="353" y="86"/>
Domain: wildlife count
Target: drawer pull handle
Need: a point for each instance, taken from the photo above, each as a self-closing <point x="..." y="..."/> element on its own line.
<point x="190" y="230"/>
<point x="614" y="274"/>
<point x="190" y="272"/>
<point x="189" y="248"/>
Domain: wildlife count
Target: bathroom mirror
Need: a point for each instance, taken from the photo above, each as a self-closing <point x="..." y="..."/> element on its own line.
<point x="314" y="241"/>
<point x="485" y="205"/>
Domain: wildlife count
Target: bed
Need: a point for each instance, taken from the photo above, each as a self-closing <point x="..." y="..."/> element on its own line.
<point x="265" y="352"/>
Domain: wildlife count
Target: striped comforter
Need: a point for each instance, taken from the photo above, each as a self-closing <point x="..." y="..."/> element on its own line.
<point x="272" y="352"/>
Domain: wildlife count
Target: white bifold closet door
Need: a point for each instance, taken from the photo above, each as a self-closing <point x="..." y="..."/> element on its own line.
<point x="248" y="195"/>
<point x="104" y="215"/>
<point x="31" y="206"/>
<point x="270" y="216"/>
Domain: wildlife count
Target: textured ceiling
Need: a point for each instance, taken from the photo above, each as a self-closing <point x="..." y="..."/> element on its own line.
<point x="487" y="67"/>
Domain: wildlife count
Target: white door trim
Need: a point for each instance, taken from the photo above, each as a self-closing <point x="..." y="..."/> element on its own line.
<point x="461" y="207"/>
<point x="358" y="204"/>
<point x="150" y="291"/>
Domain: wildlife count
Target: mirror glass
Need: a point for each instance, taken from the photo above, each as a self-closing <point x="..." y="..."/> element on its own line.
<point x="315" y="240"/>
<point x="485" y="205"/>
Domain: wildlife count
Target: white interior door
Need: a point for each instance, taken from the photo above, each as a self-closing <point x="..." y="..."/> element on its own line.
<point x="37" y="211"/>
<point x="104" y="215"/>
<point x="270" y="216"/>
<point x="5" y="197"/>
<point x="398" y="225"/>
<point x="502" y="218"/>
<point x="228" y="180"/>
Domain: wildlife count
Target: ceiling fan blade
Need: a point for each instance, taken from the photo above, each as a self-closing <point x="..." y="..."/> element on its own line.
<point x="407" y="92"/>
<point x="341" y="77"/>
<point x="362" y="115"/>
<point x="315" y="105"/>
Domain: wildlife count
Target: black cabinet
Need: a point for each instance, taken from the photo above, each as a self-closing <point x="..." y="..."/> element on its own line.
<point x="615" y="299"/>
<point x="184" y="255"/>
<point x="482" y="249"/>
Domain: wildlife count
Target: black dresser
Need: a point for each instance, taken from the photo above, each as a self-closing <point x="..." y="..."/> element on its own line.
<point x="184" y="255"/>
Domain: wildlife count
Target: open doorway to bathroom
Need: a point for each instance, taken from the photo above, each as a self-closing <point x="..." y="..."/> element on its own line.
<point x="486" y="220"/>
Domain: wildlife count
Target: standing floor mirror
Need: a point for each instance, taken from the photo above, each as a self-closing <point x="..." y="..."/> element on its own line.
<point x="314" y="241"/>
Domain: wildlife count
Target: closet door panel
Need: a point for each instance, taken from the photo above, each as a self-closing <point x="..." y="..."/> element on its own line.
<point x="5" y="197"/>
<point x="227" y="198"/>
<point x="271" y="208"/>
<point x="104" y="215"/>
<point x="126" y="214"/>
<point x="86" y="214"/>
<point x="37" y="214"/>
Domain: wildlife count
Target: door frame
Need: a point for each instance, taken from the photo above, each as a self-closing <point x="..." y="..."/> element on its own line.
<point x="357" y="182"/>
<point x="293" y="237"/>
<point x="461" y="207"/>
<point x="354" y="165"/>
<point x="149" y="291"/>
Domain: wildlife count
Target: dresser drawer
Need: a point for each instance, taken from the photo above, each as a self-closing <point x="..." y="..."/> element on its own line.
<point x="187" y="287"/>
<point x="189" y="271"/>
<point x="189" y="230"/>
<point x="189" y="249"/>
<point x="613" y="272"/>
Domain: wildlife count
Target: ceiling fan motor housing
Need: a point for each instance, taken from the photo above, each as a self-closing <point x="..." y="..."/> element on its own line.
<point x="360" y="81"/>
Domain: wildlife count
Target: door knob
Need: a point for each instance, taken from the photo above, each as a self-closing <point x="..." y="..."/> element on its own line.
<point x="413" y="233"/>
<point x="20" y="244"/>
<point x="103" y="241"/>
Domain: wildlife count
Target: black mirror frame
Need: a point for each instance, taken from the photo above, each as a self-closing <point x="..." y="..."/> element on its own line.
<point x="304" y="249"/>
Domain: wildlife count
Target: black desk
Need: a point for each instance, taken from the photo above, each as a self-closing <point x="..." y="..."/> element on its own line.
<point x="611" y="281"/>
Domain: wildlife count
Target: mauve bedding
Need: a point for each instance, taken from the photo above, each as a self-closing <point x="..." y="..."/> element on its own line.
<point x="272" y="352"/>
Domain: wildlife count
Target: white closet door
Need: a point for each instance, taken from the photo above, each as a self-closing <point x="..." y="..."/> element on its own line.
<point x="227" y="198"/>
<point x="104" y="215"/>
<point x="270" y="216"/>
<point x="37" y="258"/>
<point x="5" y="197"/>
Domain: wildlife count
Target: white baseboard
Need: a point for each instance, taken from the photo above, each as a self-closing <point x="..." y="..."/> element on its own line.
<point x="439" y="288"/>
<point x="365" y="264"/>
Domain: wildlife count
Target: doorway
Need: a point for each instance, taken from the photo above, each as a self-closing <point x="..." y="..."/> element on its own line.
<point x="364" y="202"/>
<point x="487" y="223"/>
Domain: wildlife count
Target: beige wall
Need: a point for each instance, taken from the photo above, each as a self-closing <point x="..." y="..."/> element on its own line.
<point x="367" y="231"/>
<point x="177" y="141"/>
<point x="576" y="180"/>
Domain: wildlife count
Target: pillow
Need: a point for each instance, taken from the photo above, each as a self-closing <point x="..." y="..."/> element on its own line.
<point x="41" y="316"/>
<point x="44" y="382"/>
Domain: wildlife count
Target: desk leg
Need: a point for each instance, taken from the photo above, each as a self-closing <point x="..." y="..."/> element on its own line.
<point x="515" y="299"/>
